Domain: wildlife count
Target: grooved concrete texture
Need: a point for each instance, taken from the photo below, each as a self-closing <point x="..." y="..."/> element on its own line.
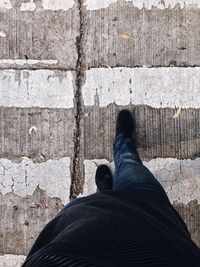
<point x="37" y="133"/>
<point x="158" y="133"/>
<point x="43" y="30"/>
<point x="125" y="34"/>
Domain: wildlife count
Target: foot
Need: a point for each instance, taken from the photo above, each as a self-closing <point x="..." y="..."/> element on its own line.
<point x="103" y="178"/>
<point x="125" y="123"/>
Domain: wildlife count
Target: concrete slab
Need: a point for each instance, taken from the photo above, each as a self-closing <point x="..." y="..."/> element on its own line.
<point x="35" y="30"/>
<point x="135" y="33"/>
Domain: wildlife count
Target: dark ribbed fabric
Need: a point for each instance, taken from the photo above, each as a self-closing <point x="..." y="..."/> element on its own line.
<point x="116" y="229"/>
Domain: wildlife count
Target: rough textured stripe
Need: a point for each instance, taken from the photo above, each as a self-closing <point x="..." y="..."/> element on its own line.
<point x="9" y="260"/>
<point x="155" y="87"/>
<point x="98" y="4"/>
<point x="180" y="178"/>
<point x="29" y="6"/>
<point x="23" y="178"/>
<point x="22" y="219"/>
<point x="158" y="132"/>
<point x="39" y="134"/>
<point x="40" y="36"/>
<point x="125" y="35"/>
<point x="191" y="215"/>
<point x="39" y="88"/>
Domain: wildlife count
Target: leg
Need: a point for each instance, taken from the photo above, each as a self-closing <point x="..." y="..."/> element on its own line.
<point x="131" y="174"/>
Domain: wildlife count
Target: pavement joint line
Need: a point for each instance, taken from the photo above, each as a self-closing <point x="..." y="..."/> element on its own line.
<point x="80" y="75"/>
<point x="27" y="67"/>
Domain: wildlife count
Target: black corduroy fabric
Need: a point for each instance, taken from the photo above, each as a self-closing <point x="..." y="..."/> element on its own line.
<point x="116" y="229"/>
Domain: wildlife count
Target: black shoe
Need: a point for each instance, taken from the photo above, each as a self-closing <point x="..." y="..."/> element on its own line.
<point x="103" y="178"/>
<point x="125" y="124"/>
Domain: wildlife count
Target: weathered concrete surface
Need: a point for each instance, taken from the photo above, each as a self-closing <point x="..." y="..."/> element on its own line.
<point x="155" y="87"/>
<point x="9" y="260"/>
<point x="180" y="179"/>
<point x="124" y="34"/>
<point x="22" y="179"/>
<point x="38" y="30"/>
<point x="44" y="124"/>
<point x="39" y="88"/>
<point x="36" y="133"/>
<point x="158" y="132"/>
<point x="26" y="216"/>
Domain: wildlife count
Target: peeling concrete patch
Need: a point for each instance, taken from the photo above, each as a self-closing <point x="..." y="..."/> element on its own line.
<point x="90" y="170"/>
<point x="180" y="178"/>
<point x="23" y="178"/>
<point x="10" y="260"/>
<point x="39" y="88"/>
<point x="29" y="6"/>
<point x="27" y="216"/>
<point x="58" y="4"/>
<point x="161" y="4"/>
<point x="33" y="130"/>
<point x="155" y="87"/>
<point x="5" y="4"/>
<point x="2" y="34"/>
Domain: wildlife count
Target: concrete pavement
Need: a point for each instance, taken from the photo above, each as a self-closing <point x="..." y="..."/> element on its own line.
<point x="67" y="68"/>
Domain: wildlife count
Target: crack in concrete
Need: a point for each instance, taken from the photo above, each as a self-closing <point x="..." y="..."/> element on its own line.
<point x="13" y="183"/>
<point x="80" y="74"/>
